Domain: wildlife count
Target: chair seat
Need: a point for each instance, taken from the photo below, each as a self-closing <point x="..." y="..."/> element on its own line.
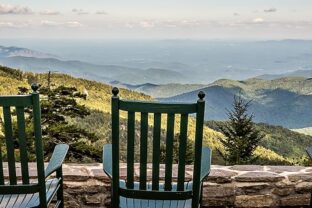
<point x="29" y="200"/>
<point x="143" y="203"/>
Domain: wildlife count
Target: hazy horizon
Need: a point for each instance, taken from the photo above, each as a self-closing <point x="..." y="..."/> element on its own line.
<point x="188" y="61"/>
<point x="139" y="19"/>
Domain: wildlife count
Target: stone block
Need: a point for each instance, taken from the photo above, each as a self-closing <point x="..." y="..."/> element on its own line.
<point x="216" y="190"/>
<point x="255" y="201"/>
<point x="303" y="187"/>
<point x="247" y="168"/>
<point x="259" y="177"/>
<point x="252" y="188"/>
<point x="221" y="176"/>
<point x="295" y="200"/>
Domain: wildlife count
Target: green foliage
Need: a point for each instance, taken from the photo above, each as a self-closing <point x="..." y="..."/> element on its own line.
<point x="8" y="72"/>
<point x="241" y="137"/>
<point x="189" y="157"/>
<point x="57" y="105"/>
<point x="285" y="142"/>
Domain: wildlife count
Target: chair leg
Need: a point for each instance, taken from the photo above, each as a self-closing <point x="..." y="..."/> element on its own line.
<point x="201" y="196"/>
<point x="59" y="195"/>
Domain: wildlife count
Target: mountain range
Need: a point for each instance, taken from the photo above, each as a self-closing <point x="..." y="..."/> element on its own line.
<point x="35" y="61"/>
<point x="162" y="61"/>
<point x="279" y="99"/>
<point x="285" y="101"/>
<point x="297" y="73"/>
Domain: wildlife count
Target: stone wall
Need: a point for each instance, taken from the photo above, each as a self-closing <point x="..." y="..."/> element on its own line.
<point x="86" y="185"/>
<point x="239" y="186"/>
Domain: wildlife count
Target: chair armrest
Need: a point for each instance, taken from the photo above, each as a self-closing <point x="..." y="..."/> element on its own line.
<point x="107" y="160"/>
<point x="309" y="151"/>
<point x="57" y="159"/>
<point x="205" y="163"/>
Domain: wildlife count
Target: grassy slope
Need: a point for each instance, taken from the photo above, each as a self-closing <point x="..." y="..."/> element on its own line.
<point x="99" y="96"/>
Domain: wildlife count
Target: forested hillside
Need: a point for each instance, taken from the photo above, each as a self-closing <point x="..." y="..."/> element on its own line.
<point x="97" y="122"/>
<point x="285" y="142"/>
<point x="284" y="101"/>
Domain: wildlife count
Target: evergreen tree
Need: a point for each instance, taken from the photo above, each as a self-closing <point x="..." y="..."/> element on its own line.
<point x="241" y="136"/>
<point x="189" y="154"/>
<point x="57" y="105"/>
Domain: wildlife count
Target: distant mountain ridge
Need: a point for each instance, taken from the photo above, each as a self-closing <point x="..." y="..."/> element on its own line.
<point x="35" y="61"/>
<point x="13" y="51"/>
<point x="297" y="73"/>
<point x="164" y="62"/>
<point x="160" y="91"/>
<point x="284" y="102"/>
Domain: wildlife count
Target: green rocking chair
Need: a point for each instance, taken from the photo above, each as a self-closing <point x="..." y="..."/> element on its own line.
<point x="156" y="193"/>
<point x="26" y="193"/>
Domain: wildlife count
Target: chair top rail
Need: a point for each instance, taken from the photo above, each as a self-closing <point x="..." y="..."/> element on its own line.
<point x="150" y="107"/>
<point x="16" y="100"/>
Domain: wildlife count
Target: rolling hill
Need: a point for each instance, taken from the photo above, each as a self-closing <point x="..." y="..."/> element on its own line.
<point x="160" y="91"/>
<point x="284" y="101"/>
<point x="297" y="73"/>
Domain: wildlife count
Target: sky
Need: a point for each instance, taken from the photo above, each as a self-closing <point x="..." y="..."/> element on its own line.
<point x="156" y="19"/>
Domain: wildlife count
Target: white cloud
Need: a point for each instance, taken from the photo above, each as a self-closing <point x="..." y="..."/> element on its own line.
<point x="13" y="25"/>
<point x="70" y="24"/>
<point x="146" y="24"/>
<point x="73" y="24"/>
<point x="129" y="25"/>
<point x="6" y="25"/>
<point x="162" y="24"/>
<point x="79" y="11"/>
<point x="49" y="23"/>
<point x="258" y="20"/>
<point x="101" y="12"/>
<point x="270" y="10"/>
<point x="14" y="9"/>
<point x="50" y="12"/>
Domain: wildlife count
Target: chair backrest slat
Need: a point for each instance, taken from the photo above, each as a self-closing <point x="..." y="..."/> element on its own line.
<point x="22" y="143"/>
<point x="130" y="150"/>
<point x="9" y="144"/>
<point x="156" y="151"/>
<point x="198" y="151"/>
<point x="182" y="151"/>
<point x="1" y="167"/>
<point x="143" y="149"/>
<point x="169" y="151"/>
<point x="115" y="148"/>
<point x="39" y="146"/>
